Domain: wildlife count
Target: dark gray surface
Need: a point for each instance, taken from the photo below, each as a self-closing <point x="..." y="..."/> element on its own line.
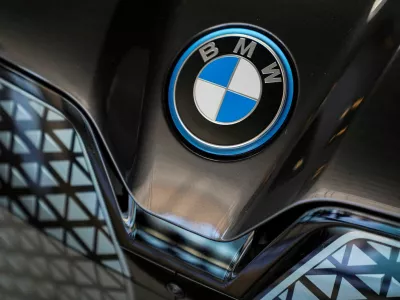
<point x="77" y="46"/>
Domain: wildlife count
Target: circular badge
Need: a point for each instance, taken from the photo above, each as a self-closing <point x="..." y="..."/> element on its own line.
<point x="230" y="91"/>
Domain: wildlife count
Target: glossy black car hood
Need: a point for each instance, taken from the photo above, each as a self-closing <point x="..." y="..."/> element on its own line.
<point x="114" y="58"/>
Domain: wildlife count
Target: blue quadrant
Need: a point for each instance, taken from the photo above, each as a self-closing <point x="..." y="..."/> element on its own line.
<point x="220" y="70"/>
<point x="234" y="107"/>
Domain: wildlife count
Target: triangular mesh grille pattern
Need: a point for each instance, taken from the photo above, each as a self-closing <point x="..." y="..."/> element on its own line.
<point x="36" y="266"/>
<point x="358" y="265"/>
<point x="46" y="177"/>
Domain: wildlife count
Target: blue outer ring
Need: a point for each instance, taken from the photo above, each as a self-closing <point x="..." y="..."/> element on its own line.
<point x="267" y="135"/>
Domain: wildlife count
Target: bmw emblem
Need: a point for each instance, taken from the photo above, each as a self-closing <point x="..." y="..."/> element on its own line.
<point x="230" y="91"/>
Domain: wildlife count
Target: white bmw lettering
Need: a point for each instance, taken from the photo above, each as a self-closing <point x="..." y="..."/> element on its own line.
<point x="208" y="51"/>
<point x="273" y="73"/>
<point x="249" y="49"/>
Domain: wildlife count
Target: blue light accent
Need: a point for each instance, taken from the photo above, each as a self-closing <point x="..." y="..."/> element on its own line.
<point x="219" y="71"/>
<point x="272" y="130"/>
<point x="234" y="107"/>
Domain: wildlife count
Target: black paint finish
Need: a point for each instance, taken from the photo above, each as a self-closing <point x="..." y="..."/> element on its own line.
<point x="241" y="194"/>
<point x="339" y="149"/>
<point x="81" y="57"/>
<point x="156" y="267"/>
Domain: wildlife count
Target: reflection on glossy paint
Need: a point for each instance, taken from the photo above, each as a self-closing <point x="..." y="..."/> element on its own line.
<point x="357" y="103"/>
<point x="216" y="258"/>
<point x="298" y="164"/>
<point x="345" y="113"/>
<point x="338" y="134"/>
<point x="341" y="131"/>
<point x="376" y="7"/>
<point x="318" y="171"/>
<point x="324" y="215"/>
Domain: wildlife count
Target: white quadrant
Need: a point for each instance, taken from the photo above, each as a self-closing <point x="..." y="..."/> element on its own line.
<point x="246" y="80"/>
<point x="208" y="98"/>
